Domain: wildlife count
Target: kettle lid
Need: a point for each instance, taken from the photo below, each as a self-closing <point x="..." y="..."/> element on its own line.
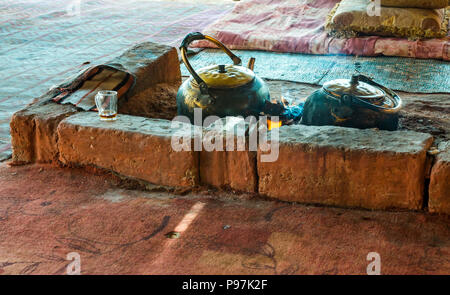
<point x="353" y="87"/>
<point x="225" y="76"/>
<point x="366" y="91"/>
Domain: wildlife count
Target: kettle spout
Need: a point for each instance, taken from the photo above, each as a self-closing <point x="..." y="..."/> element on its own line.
<point x="251" y="63"/>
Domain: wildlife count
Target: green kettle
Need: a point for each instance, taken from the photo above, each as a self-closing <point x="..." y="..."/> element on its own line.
<point x="220" y="90"/>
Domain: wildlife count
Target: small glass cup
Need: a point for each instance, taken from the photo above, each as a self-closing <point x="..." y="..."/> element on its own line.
<point x="106" y="102"/>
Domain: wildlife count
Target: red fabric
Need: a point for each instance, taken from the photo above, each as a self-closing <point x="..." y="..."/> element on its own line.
<point x="298" y="26"/>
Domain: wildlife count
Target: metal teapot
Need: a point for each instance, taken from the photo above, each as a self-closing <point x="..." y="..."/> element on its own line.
<point x="358" y="102"/>
<point x="221" y="90"/>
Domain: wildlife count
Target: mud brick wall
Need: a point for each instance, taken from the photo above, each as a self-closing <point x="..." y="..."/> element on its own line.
<point x="347" y="167"/>
<point x="316" y="165"/>
<point x="33" y="129"/>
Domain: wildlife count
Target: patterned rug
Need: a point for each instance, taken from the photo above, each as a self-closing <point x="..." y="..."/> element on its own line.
<point x="398" y="73"/>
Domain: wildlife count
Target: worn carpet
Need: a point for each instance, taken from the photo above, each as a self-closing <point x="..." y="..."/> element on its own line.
<point x="123" y="231"/>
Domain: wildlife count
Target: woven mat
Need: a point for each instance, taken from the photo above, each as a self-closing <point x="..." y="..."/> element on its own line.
<point x="398" y="73"/>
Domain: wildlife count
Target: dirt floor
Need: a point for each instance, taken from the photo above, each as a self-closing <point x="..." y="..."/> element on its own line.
<point x="48" y="212"/>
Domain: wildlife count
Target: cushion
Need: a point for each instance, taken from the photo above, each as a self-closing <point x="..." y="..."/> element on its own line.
<point x="416" y="3"/>
<point x="349" y="19"/>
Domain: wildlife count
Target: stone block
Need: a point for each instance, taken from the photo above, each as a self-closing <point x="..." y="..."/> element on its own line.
<point x="228" y="168"/>
<point x="33" y="132"/>
<point x="132" y="146"/>
<point x="439" y="189"/>
<point x="347" y="167"/>
<point x="151" y="63"/>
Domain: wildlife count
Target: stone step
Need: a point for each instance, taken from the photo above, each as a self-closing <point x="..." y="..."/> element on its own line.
<point x="347" y="167"/>
<point x="317" y="165"/>
<point x="33" y="129"/>
<point x="439" y="191"/>
<point x="132" y="146"/>
<point x="33" y="132"/>
<point x="232" y="164"/>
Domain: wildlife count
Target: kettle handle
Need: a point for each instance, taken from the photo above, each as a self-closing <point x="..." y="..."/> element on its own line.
<point x="373" y="107"/>
<point x="199" y="36"/>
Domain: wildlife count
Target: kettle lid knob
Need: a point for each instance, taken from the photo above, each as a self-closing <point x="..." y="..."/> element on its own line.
<point x="222" y="69"/>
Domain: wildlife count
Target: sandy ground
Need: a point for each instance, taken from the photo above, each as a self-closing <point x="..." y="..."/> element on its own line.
<point x="48" y="212"/>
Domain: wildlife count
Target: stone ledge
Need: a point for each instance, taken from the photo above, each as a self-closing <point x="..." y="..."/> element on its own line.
<point x="152" y="64"/>
<point x="157" y="69"/>
<point x="132" y="146"/>
<point x="235" y="169"/>
<point x="33" y="129"/>
<point x="33" y="132"/>
<point x="439" y="190"/>
<point x="347" y="167"/>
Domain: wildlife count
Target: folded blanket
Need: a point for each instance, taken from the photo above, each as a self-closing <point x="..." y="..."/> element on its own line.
<point x="350" y="18"/>
<point x="298" y="26"/>
<point x="80" y="91"/>
<point x="416" y="3"/>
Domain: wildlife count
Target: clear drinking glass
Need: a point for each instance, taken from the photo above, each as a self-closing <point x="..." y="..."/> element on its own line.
<point x="106" y="102"/>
